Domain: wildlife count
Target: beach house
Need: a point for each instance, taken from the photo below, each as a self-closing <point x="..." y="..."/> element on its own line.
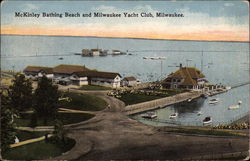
<point x="129" y="81"/>
<point x="185" y="78"/>
<point x="94" y="77"/>
<point x="36" y="72"/>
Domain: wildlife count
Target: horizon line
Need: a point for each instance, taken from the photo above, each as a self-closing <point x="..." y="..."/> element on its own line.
<point x="126" y="38"/>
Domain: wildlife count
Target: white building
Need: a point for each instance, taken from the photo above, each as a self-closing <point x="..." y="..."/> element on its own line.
<point x="108" y="79"/>
<point x="129" y="81"/>
<point x="36" y="72"/>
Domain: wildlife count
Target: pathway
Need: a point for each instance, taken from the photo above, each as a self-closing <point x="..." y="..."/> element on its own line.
<point x="29" y="141"/>
<point x="113" y="135"/>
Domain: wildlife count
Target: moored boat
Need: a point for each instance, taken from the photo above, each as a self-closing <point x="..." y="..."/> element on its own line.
<point x="199" y="113"/>
<point x="214" y="101"/>
<point x="149" y="115"/>
<point x="233" y="107"/>
<point x="207" y="120"/>
<point x="174" y="115"/>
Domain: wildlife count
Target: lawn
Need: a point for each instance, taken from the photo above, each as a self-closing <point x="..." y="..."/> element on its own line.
<point x="129" y="98"/>
<point x="94" y="87"/>
<point x="37" y="151"/>
<point x="66" y="118"/>
<point x="82" y="102"/>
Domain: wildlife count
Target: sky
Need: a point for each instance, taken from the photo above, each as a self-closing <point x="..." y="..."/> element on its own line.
<point x="203" y="20"/>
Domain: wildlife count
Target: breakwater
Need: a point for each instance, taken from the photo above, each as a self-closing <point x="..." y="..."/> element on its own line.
<point x="159" y="103"/>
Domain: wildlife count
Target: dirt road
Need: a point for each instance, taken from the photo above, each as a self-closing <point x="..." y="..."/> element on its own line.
<point x="112" y="135"/>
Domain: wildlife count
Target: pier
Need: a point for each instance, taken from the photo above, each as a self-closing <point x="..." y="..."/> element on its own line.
<point x="163" y="102"/>
<point x="160" y="103"/>
<point x="240" y="84"/>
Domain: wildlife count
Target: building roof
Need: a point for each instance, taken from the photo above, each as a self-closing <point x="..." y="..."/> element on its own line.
<point x="97" y="74"/>
<point x="69" y="69"/>
<point x="189" y="74"/>
<point x="130" y="78"/>
<point x="38" y="69"/>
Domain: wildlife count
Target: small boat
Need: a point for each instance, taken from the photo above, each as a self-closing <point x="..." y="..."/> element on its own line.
<point x="174" y="115"/>
<point x="214" y="101"/>
<point x="60" y="58"/>
<point x="155" y="58"/>
<point x="149" y="115"/>
<point x="189" y="100"/>
<point x="199" y="113"/>
<point x="235" y="106"/>
<point x="204" y="95"/>
<point x="207" y="120"/>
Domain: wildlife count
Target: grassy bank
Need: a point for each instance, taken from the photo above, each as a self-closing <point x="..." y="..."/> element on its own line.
<point x="130" y="98"/>
<point x="38" y="150"/>
<point x="66" y="118"/>
<point x="94" y="87"/>
<point x="82" y="102"/>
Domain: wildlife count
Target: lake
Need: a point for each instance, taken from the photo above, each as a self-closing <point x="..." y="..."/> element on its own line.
<point x="221" y="62"/>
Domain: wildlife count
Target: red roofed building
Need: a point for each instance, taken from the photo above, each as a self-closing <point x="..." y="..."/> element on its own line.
<point x="185" y="77"/>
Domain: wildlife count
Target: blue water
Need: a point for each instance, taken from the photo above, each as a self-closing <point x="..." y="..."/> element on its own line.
<point x="223" y="62"/>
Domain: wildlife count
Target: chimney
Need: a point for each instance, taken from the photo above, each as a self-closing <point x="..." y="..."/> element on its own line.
<point x="180" y="65"/>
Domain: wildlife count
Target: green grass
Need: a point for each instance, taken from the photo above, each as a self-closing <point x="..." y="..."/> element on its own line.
<point x="130" y="98"/>
<point x="66" y="118"/>
<point x="25" y="135"/>
<point x="38" y="150"/>
<point x="94" y="87"/>
<point x="83" y="102"/>
<point x="205" y="132"/>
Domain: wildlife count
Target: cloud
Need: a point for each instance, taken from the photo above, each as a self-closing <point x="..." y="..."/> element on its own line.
<point x="228" y="4"/>
<point x="104" y="8"/>
<point x="29" y="7"/>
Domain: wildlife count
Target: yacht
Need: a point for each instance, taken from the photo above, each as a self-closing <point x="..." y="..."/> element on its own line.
<point x="174" y="115"/>
<point x="207" y="120"/>
<point x="235" y="106"/>
<point x="214" y="101"/>
<point x="149" y="115"/>
<point x="199" y="113"/>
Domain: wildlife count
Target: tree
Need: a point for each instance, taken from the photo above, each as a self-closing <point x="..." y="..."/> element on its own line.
<point x="7" y="123"/>
<point x="46" y="99"/>
<point x="60" y="134"/>
<point x="20" y="93"/>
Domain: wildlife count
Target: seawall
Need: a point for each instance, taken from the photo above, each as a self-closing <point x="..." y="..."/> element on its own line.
<point x="158" y="103"/>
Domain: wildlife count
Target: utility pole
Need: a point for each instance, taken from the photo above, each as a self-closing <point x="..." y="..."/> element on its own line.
<point x="201" y="60"/>
<point x="161" y="69"/>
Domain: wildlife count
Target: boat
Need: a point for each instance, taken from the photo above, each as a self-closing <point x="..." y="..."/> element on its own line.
<point x="60" y="58"/>
<point x="204" y="95"/>
<point x="174" y="115"/>
<point x="149" y="115"/>
<point x="235" y="106"/>
<point x="207" y="120"/>
<point x="155" y="58"/>
<point x="189" y="100"/>
<point x="199" y="113"/>
<point x="214" y="101"/>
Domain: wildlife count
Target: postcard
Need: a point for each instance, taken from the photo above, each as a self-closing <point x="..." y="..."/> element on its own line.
<point x="125" y="80"/>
